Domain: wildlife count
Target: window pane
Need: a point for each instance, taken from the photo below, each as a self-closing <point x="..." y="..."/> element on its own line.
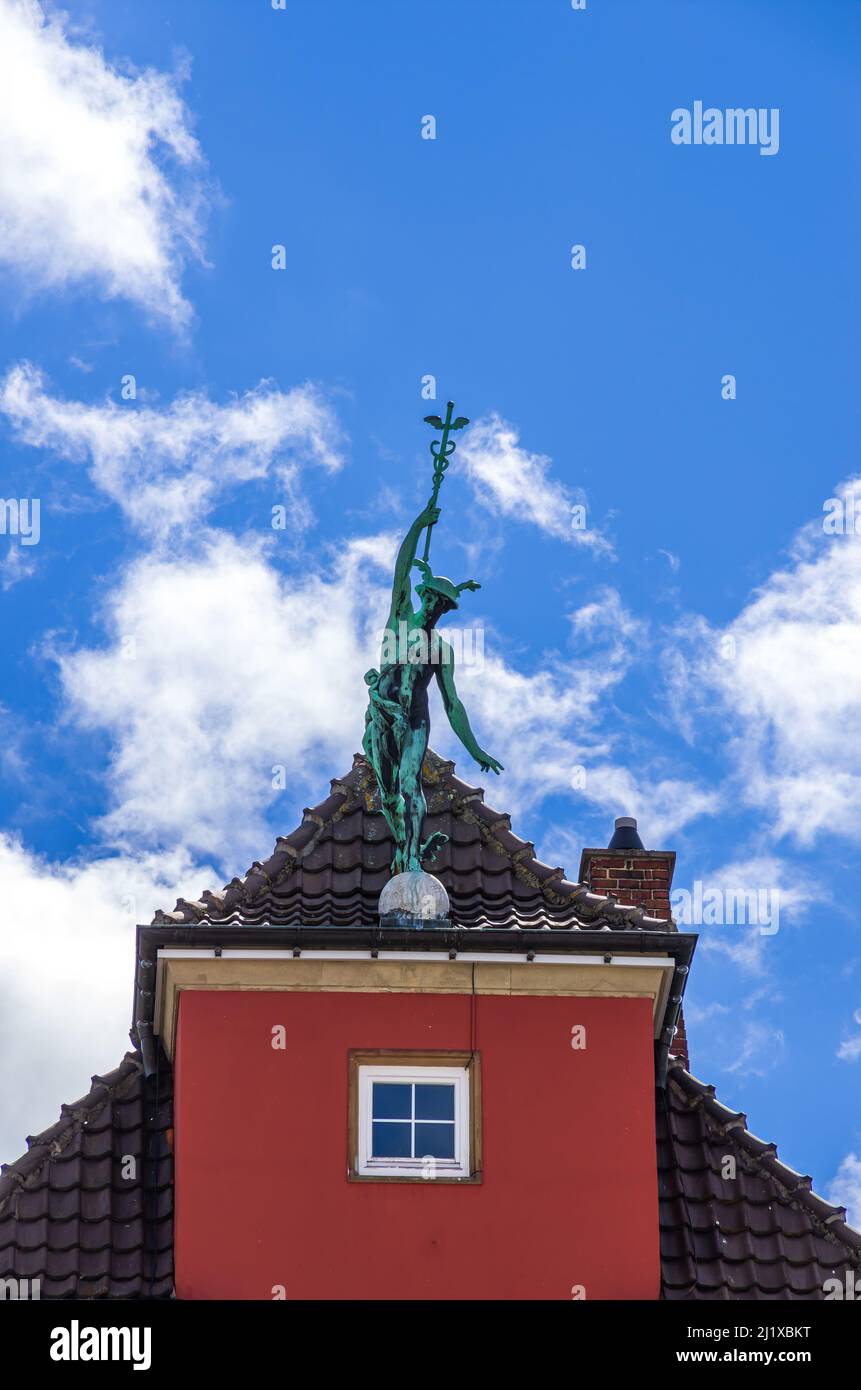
<point x="435" y="1102"/>
<point x="391" y="1139"/>
<point x="436" y="1141"/>
<point x="391" y="1101"/>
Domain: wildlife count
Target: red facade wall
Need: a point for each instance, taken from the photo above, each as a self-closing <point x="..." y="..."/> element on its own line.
<point x="569" y="1190"/>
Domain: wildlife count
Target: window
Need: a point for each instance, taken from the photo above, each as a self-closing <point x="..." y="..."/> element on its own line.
<point x="414" y="1116"/>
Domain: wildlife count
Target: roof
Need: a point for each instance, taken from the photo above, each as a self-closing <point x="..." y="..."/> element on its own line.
<point x="331" y="869"/>
<point x="761" y="1235"/>
<point x="75" y="1214"/>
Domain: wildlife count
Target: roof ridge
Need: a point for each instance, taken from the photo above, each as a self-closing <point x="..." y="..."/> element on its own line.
<point x="467" y="803"/>
<point x="762" y="1156"/>
<point x="51" y="1142"/>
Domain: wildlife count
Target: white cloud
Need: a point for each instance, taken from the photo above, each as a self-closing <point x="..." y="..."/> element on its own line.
<point x="761" y="1050"/>
<point x="783" y="895"/>
<point x="541" y="726"/>
<point x="662" y="805"/>
<point x="512" y="482"/>
<point x="845" y="1190"/>
<point x="66" y="965"/>
<point x="744" y="947"/>
<point x="552" y="728"/>
<point x="787" y="674"/>
<point x="545" y="725"/>
<point x="18" y="563"/>
<point x="608" y="614"/>
<point x="768" y="873"/>
<point x="696" y="1014"/>
<point x="850" y="1049"/>
<point x="100" y="174"/>
<point x="167" y="467"/>
<point x="608" y="637"/>
<point x="217" y="670"/>
<point x="763" y="994"/>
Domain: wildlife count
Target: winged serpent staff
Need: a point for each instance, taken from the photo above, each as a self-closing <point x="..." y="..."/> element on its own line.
<point x="397" y="721"/>
<point x="441" y="458"/>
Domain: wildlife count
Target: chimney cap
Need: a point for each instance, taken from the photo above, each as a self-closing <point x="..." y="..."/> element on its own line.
<point x="625" y="835"/>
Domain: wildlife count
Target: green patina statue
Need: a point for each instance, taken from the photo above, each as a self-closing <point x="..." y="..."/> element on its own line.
<point x="397" y="723"/>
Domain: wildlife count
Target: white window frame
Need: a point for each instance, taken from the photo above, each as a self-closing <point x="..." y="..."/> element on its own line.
<point x="457" y="1167"/>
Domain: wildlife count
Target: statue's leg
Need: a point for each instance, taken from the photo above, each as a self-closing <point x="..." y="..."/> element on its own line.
<point x="393" y="809"/>
<point x="379" y="745"/>
<point x="412" y="792"/>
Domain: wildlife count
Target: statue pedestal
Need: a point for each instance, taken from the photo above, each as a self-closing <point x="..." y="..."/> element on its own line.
<point x="415" y="900"/>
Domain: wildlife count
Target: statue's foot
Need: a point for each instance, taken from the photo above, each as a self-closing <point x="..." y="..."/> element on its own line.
<point x="432" y="846"/>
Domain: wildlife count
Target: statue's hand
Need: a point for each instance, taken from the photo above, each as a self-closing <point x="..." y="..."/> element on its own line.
<point x="487" y="763"/>
<point x="471" y="584"/>
<point x="429" y="517"/>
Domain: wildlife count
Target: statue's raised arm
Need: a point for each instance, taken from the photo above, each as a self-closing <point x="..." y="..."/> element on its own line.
<point x="402" y="586"/>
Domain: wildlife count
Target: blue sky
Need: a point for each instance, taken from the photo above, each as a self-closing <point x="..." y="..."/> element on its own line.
<point x="696" y="650"/>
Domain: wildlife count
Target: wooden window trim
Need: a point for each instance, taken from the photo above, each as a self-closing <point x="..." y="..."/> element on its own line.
<point x="470" y="1061"/>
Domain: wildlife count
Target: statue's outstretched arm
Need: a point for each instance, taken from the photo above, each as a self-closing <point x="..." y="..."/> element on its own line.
<point x="457" y="716"/>
<point x="402" y="583"/>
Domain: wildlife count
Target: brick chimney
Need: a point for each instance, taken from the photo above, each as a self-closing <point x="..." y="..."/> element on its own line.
<point x="638" y="876"/>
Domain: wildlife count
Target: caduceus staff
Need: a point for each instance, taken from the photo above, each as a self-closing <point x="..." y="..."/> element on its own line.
<point x="441" y="451"/>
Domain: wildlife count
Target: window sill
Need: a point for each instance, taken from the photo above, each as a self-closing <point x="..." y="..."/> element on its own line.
<point x="474" y="1179"/>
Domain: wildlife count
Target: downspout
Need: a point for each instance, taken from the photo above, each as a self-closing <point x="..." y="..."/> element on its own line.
<point x="664" y="1041"/>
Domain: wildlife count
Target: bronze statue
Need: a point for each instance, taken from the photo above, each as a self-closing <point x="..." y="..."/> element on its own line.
<point x="397" y="723"/>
